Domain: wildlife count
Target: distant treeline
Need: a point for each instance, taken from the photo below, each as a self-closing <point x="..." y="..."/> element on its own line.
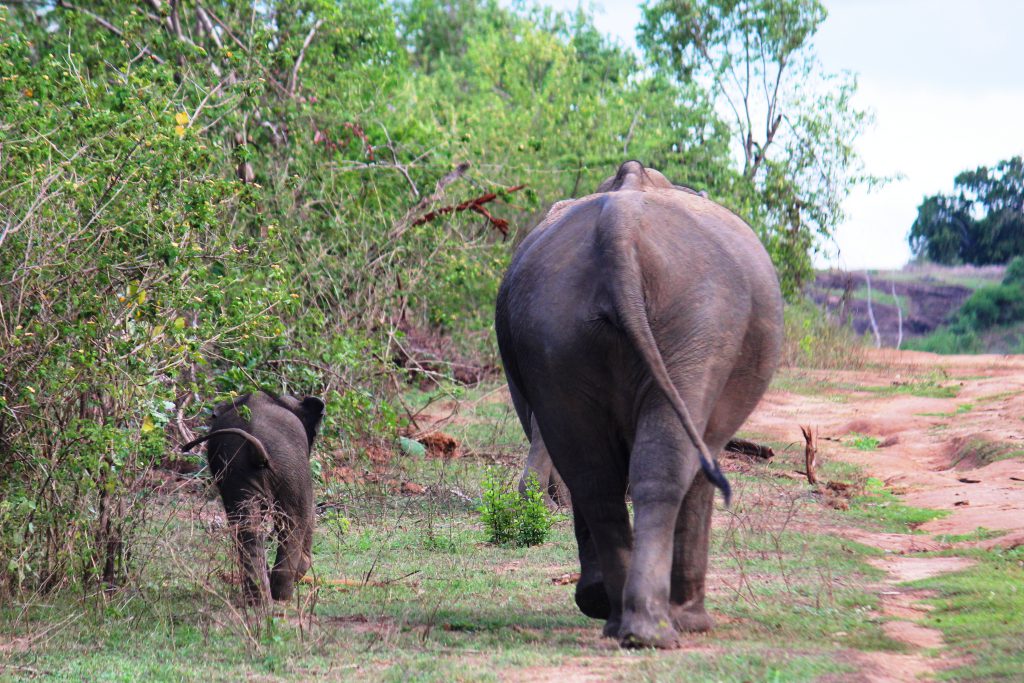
<point x="982" y="222"/>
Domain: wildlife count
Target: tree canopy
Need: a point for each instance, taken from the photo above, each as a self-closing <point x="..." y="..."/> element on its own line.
<point x="791" y="124"/>
<point x="982" y="222"/>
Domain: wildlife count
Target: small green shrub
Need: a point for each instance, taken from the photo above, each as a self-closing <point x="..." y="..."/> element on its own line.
<point x="1014" y="274"/>
<point x="990" y="306"/>
<point x="863" y="442"/>
<point x="514" y="519"/>
<point x="946" y="341"/>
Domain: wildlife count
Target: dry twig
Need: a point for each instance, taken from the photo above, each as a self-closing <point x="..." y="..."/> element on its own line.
<point x="810" y="453"/>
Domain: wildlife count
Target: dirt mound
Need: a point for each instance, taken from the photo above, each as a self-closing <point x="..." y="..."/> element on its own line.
<point x="926" y="302"/>
<point x="440" y="445"/>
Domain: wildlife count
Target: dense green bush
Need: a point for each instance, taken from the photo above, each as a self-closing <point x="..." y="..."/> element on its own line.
<point x="989" y="308"/>
<point x="945" y="340"/>
<point x="1014" y="274"/>
<point x="202" y="200"/>
<point x="120" y="286"/>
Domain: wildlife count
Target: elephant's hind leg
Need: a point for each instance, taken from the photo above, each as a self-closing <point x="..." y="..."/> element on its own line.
<point x="247" y="526"/>
<point x="591" y="593"/>
<point x="594" y="467"/>
<point x="293" y="559"/>
<point x="663" y="464"/>
<point x="690" y="558"/>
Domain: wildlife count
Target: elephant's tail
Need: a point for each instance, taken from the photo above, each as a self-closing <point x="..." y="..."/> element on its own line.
<point x="256" y="443"/>
<point x="631" y="310"/>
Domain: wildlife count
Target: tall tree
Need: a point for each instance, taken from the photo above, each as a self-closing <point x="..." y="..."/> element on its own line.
<point x="792" y="124"/>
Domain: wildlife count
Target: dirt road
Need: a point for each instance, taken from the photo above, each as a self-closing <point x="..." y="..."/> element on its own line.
<point x="949" y="437"/>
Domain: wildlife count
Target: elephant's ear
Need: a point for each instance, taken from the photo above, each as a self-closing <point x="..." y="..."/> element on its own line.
<point x="311" y="412"/>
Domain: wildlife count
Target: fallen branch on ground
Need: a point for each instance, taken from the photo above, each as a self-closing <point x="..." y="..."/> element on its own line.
<point x="353" y="582"/>
<point x="750" y="448"/>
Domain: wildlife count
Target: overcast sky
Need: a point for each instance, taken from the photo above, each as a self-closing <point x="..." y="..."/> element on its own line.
<point x="945" y="80"/>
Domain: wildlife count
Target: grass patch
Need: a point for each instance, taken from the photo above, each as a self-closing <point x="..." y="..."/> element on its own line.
<point x="977" y="452"/>
<point x="862" y="442"/>
<point x="800" y="382"/>
<point x="754" y="663"/>
<point x="960" y="410"/>
<point x="410" y="590"/>
<point x="980" y="612"/>
<point x="882" y="508"/>
<point x="979" y="534"/>
<point x="927" y="388"/>
<point x="795" y="381"/>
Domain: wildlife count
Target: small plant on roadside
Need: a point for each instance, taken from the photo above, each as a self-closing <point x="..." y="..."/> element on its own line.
<point x="863" y="442"/>
<point x="514" y="519"/>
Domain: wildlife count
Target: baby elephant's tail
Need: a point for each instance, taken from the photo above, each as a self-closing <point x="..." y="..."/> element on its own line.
<point x="256" y="443"/>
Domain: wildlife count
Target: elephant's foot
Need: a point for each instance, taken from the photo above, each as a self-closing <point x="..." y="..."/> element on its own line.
<point x="692" y="619"/>
<point x="592" y="599"/>
<point x="611" y="628"/>
<point x="642" y="631"/>
<point x="256" y="592"/>
<point x="282" y="587"/>
<point x="253" y="597"/>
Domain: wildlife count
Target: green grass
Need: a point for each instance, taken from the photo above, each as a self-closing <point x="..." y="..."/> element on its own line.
<point x="754" y="664"/>
<point x="440" y="603"/>
<point x="862" y="442"/>
<point x="799" y="382"/>
<point x="928" y="388"/>
<point x="882" y="508"/>
<point x="883" y="297"/>
<point x="991" y="398"/>
<point x="980" y="612"/>
<point x="977" y="452"/>
<point x="979" y="534"/>
<point x="960" y="410"/>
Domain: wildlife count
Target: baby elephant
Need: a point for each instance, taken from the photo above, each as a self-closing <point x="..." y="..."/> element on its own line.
<point x="259" y="455"/>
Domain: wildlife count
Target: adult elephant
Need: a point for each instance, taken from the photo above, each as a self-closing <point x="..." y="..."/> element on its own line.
<point x="639" y="327"/>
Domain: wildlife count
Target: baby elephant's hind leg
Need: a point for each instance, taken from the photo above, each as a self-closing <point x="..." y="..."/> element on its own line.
<point x="294" y="549"/>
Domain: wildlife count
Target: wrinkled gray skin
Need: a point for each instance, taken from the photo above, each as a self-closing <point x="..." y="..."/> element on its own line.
<point x="639" y="327"/>
<point x="261" y="464"/>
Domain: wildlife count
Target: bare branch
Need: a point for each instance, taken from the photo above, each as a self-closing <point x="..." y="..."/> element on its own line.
<point x="199" y="109"/>
<point x="810" y="454"/>
<point x="302" y="55"/>
<point x="208" y="26"/>
<point x="475" y="205"/>
<point x="629" y="133"/>
<point x="175" y="21"/>
<point x="899" y="316"/>
<point x="871" y="312"/>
